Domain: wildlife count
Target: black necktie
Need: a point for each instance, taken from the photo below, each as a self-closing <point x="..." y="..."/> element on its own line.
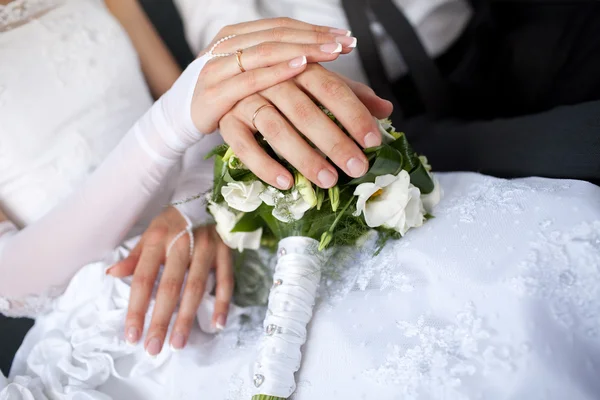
<point x="431" y="86"/>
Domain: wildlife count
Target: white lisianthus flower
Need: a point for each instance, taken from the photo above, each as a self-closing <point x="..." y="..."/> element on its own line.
<point x="226" y="220"/>
<point x="243" y="196"/>
<point x="430" y="200"/>
<point x="392" y="202"/>
<point x="288" y="207"/>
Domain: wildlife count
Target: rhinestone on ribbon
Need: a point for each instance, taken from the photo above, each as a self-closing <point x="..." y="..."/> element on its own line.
<point x="282" y="252"/>
<point x="271" y="329"/>
<point x="277" y="282"/>
<point x="258" y="379"/>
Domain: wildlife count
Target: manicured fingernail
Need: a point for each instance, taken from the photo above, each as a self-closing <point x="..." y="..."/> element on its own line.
<point x="346" y="41"/>
<point x="356" y="167"/>
<point x="220" y="323"/>
<point x="372" y="140"/>
<point x="338" y="31"/>
<point x="133" y="335"/>
<point x="177" y="341"/>
<point x="331" y="48"/>
<point x="298" y="62"/>
<point x="326" y="177"/>
<point x="153" y="347"/>
<point x="283" y="182"/>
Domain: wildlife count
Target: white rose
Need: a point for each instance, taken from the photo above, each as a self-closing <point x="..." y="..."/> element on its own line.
<point x="226" y="221"/>
<point x="392" y="202"/>
<point x="287" y="207"/>
<point x="243" y="196"/>
<point x="430" y="200"/>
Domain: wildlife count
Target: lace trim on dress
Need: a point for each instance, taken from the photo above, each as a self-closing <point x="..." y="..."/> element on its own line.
<point x="20" y="12"/>
<point x="29" y="306"/>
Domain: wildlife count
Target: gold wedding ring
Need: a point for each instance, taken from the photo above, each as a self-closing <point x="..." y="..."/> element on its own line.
<point x="256" y="113"/>
<point x="238" y="57"/>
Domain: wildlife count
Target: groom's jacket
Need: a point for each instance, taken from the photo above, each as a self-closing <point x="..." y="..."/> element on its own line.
<point x="517" y="94"/>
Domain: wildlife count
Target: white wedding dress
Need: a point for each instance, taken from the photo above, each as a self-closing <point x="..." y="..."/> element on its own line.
<point x="498" y="297"/>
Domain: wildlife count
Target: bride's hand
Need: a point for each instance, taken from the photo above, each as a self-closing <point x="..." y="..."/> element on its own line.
<point x="274" y="50"/>
<point x="144" y="263"/>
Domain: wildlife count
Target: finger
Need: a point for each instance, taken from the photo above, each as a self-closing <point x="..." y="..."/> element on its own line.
<point x="268" y="54"/>
<point x="244" y="145"/>
<point x="378" y="107"/>
<point x="126" y="267"/>
<point x="284" y="36"/>
<point x="193" y="291"/>
<point x="227" y="93"/>
<point x="304" y="114"/>
<point x="282" y="22"/>
<point x="224" y="290"/>
<point x="286" y="141"/>
<point x="142" y="285"/>
<point x="334" y="94"/>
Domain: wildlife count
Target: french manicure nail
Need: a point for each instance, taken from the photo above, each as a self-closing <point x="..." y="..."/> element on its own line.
<point x="220" y="323"/>
<point x="338" y="31"/>
<point x="133" y="335"/>
<point x="298" y="62"/>
<point x="283" y="182"/>
<point x="331" y="48"/>
<point x="356" y="167"/>
<point x="153" y="347"/>
<point x="372" y="140"/>
<point x="346" y="41"/>
<point x="326" y="177"/>
<point x="177" y="341"/>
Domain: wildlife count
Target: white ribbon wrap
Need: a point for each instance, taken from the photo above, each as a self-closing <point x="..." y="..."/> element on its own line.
<point x="291" y="303"/>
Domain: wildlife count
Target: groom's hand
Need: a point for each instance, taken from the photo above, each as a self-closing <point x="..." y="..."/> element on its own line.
<point x="297" y="120"/>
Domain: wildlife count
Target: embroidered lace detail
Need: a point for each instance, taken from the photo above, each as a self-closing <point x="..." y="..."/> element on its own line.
<point x="30" y="306"/>
<point x="18" y="12"/>
<point x="562" y="268"/>
<point x="440" y="359"/>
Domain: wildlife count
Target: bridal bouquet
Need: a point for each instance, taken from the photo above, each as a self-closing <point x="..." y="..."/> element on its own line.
<point x="303" y="223"/>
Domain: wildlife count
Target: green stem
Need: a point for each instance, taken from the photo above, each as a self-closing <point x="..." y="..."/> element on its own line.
<point x="265" y="397"/>
<point x="341" y="214"/>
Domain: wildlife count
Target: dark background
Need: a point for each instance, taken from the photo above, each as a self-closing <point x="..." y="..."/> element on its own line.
<point x="165" y="17"/>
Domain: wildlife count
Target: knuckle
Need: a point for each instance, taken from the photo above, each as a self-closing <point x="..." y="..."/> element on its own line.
<point x="265" y="49"/>
<point x="333" y="87"/>
<point x="226" y="284"/>
<point x="203" y="239"/>
<point x="142" y="281"/>
<point x="322" y="37"/>
<point x="135" y="317"/>
<point x="170" y="286"/>
<point x="158" y="328"/>
<point x="304" y="111"/>
<point x="278" y="33"/>
<point x="195" y="288"/>
<point x="155" y="235"/>
<point x="283" y="21"/>
<point x="184" y="322"/>
<point x="272" y="127"/>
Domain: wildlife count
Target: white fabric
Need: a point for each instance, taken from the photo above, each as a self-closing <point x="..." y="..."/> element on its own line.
<point x="437" y="22"/>
<point x="495" y="298"/>
<point x="46" y="179"/>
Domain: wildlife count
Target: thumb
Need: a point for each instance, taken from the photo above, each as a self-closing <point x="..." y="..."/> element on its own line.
<point x="126" y="267"/>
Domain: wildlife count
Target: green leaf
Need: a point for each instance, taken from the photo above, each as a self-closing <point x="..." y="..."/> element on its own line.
<point x="242" y="175"/>
<point x="248" y="223"/>
<point x="220" y="176"/>
<point x="388" y="161"/>
<point x="421" y="179"/>
<point x="220" y="151"/>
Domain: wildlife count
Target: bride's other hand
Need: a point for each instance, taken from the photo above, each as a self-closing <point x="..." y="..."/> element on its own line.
<point x="296" y="118"/>
<point x="144" y="263"/>
<point x="274" y="50"/>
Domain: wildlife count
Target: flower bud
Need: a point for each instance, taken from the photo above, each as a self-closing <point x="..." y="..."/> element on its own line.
<point x="334" y="197"/>
<point x="305" y="189"/>
<point x="326" y="238"/>
<point x="228" y="154"/>
<point x="235" y="163"/>
<point x="320" y="197"/>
